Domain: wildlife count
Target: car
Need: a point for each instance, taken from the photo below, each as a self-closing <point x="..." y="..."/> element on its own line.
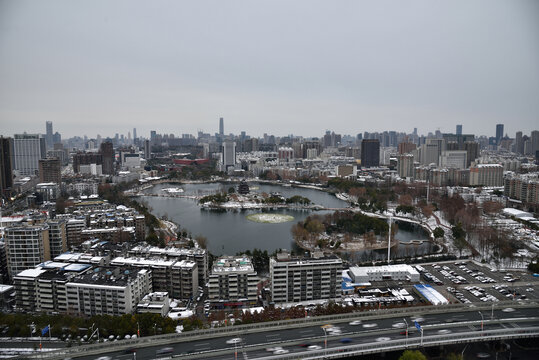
<point x="508" y="309"/>
<point x="314" y="347"/>
<point x="370" y="325"/>
<point x="399" y="325"/>
<point x="164" y="351"/>
<point x="444" y="331"/>
<point x="234" y="341"/>
<point x="355" y="322"/>
<point x="383" y="338"/>
<point x="346" y="340"/>
<point x="280" y="352"/>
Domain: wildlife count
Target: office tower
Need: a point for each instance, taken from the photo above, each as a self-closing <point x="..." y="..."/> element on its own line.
<point x="147" y="149"/>
<point x="27" y="246"/>
<point x="534" y="142"/>
<point x="107" y="151"/>
<point x="50" y="170"/>
<point x="519" y="143"/>
<point x="82" y="162"/>
<point x="48" y="138"/>
<point x="6" y="166"/>
<point x="472" y="152"/>
<point x="459" y="129"/>
<point x="228" y="155"/>
<point x="135" y="135"/>
<point x="430" y="153"/>
<point x="28" y="149"/>
<point x="370" y="153"/>
<point x="153" y="136"/>
<point x="455" y="159"/>
<point x="499" y="133"/>
<point x="221" y="127"/>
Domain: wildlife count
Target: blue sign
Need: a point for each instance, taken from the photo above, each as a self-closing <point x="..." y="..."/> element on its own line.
<point x="45" y="330"/>
<point x="417" y="325"/>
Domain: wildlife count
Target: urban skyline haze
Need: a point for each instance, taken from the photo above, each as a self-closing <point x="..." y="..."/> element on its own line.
<point x="274" y="67"/>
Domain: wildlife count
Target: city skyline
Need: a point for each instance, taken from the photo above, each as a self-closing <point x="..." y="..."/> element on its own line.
<point x="276" y="68"/>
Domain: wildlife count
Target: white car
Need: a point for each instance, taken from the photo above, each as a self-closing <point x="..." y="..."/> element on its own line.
<point x="280" y="351"/>
<point x="314" y="347"/>
<point x="382" y="339"/>
<point x="234" y="341"/>
<point x="355" y="322"/>
<point x="370" y="325"/>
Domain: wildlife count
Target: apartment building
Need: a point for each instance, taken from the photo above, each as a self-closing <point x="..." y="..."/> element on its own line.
<point x="297" y="279"/>
<point x="233" y="282"/>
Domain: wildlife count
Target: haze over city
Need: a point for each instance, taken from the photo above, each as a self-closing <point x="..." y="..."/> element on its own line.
<point x="268" y="67"/>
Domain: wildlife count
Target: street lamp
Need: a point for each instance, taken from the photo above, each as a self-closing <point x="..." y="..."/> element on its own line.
<point x="406" y="322"/>
<point x="482" y="320"/>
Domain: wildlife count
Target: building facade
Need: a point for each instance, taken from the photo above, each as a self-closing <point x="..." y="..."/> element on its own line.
<point x="305" y="279"/>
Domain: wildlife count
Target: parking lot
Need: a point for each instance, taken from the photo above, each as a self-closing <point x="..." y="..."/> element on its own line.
<point x="467" y="282"/>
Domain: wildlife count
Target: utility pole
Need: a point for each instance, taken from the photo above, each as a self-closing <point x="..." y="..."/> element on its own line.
<point x="389" y="242"/>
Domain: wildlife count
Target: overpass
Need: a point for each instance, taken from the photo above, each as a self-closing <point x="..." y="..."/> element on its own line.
<point x="379" y="331"/>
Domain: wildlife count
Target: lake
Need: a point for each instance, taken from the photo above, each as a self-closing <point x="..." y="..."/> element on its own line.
<point x="229" y="232"/>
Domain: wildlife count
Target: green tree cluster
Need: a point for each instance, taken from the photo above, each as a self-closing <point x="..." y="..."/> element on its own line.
<point x="214" y="199"/>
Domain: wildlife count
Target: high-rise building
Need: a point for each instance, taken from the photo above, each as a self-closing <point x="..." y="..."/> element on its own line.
<point x="135" y="135"/>
<point x="27" y="246"/>
<point x="28" y="149"/>
<point x="405" y="165"/>
<point x="472" y="152"/>
<point x="459" y="130"/>
<point x="6" y="166"/>
<point x="486" y="175"/>
<point x="147" y="149"/>
<point x="49" y="137"/>
<point x="519" y="143"/>
<point x="57" y="237"/>
<point x="228" y="155"/>
<point x="304" y="279"/>
<point x="50" y="170"/>
<point x="107" y="150"/>
<point x="221" y="127"/>
<point x="535" y="142"/>
<point x="370" y="153"/>
<point x="499" y="133"/>
<point x="233" y="280"/>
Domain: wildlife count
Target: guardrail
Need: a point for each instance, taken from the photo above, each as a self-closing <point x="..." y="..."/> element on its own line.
<point x="270" y="326"/>
<point x="427" y="341"/>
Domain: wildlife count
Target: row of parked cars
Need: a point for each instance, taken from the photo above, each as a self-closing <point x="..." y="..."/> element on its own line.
<point x="481" y="294"/>
<point x="458" y="294"/>
<point x="451" y="275"/>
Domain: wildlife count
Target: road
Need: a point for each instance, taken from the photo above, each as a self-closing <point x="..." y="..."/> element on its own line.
<point x="296" y="340"/>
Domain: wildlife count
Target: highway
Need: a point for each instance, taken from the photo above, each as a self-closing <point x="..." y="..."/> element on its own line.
<point x="309" y="339"/>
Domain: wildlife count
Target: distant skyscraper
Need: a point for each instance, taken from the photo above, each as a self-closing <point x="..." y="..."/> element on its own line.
<point x="459" y="129"/>
<point x="535" y="142"/>
<point x="48" y="138"/>
<point x="519" y="143"/>
<point x="28" y="149"/>
<point x="147" y="149"/>
<point x="499" y="133"/>
<point x="228" y="155"/>
<point x="221" y="126"/>
<point x="370" y="153"/>
<point x="6" y="166"/>
<point x="135" y="135"/>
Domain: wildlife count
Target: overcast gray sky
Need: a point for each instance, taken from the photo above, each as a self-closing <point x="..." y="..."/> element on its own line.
<point x="279" y="67"/>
